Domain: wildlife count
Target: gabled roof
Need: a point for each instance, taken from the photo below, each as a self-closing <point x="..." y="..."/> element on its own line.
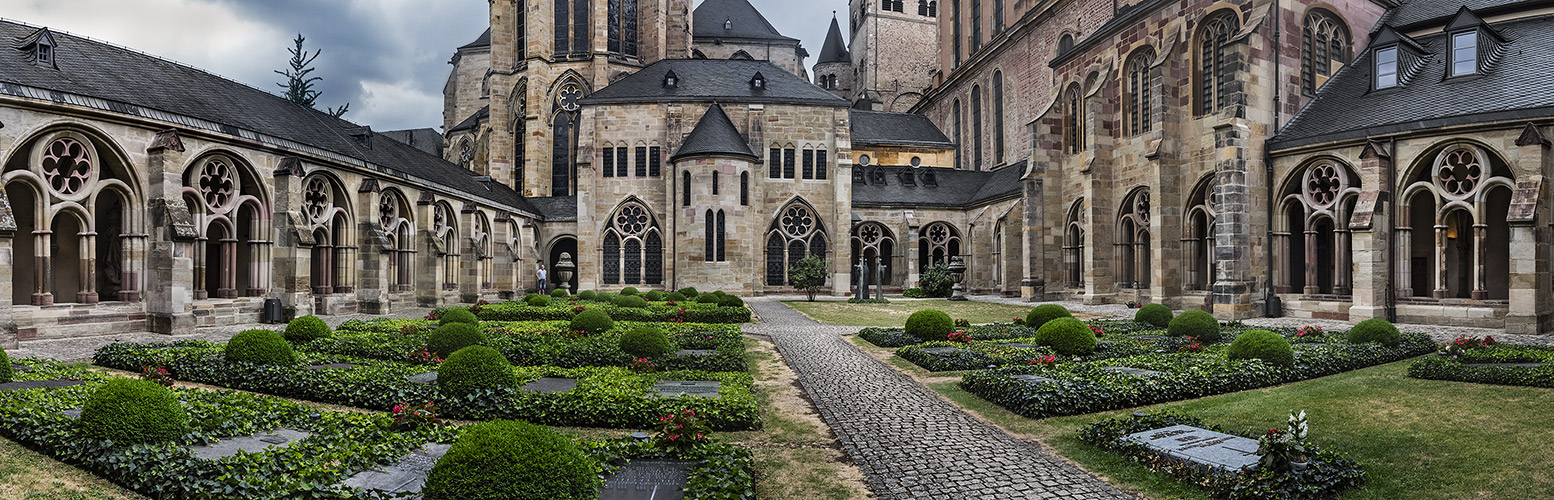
<point x="1516" y="88"/>
<point x="732" y="19"/>
<point x="484" y="40"/>
<point x="835" y="49"/>
<point x="721" y="80"/>
<point x="951" y="188"/>
<point x="424" y="139"/>
<point x="880" y="128"/>
<point x="1423" y="12"/>
<point x="714" y="135"/>
<point x="473" y="120"/>
<point x="122" y="81"/>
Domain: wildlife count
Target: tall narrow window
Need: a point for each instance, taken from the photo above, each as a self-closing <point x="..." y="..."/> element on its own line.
<point x="955" y="29"/>
<point x="1324" y="49"/>
<point x="809" y="163"/>
<point x="976" y="127"/>
<point x="1139" y="85"/>
<point x="1387" y="68"/>
<point x="722" y="237"/>
<point x="632" y="254"/>
<point x="774" y="164"/>
<point x="956" y="111"/>
<point x="522" y="18"/>
<point x="642" y="161"/>
<point x="563" y="27"/>
<point x="655" y="162"/>
<point x="922" y="7"/>
<point x="744" y="188"/>
<point x="580" y="26"/>
<point x="609" y="162"/>
<point x="976" y="25"/>
<point x="613" y="16"/>
<point x="1215" y="73"/>
<point x="611" y="255"/>
<point x="1073" y="123"/>
<point x="998" y="117"/>
<point x="520" y="160"/>
<point x="1464" y="53"/>
<point x="561" y="155"/>
<point x="653" y="259"/>
<point x="629" y="27"/>
<point x="820" y="164"/>
<point x="685" y="195"/>
<point x="714" y="182"/>
<point x="998" y="17"/>
<point x="787" y="163"/>
<point x="709" y="247"/>
<point x="622" y="161"/>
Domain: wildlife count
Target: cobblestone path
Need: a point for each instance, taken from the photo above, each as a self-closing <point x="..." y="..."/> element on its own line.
<point x="908" y="441"/>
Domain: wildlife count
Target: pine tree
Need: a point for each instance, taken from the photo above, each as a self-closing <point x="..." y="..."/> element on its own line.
<point x="299" y="86"/>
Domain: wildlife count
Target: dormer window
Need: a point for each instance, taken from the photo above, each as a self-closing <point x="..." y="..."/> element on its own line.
<point x="671" y="79"/>
<point x="1386" y="68"/>
<point x="758" y="82"/>
<point x="728" y="24"/>
<point x="45" y="54"/>
<point x="1464" y="53"/>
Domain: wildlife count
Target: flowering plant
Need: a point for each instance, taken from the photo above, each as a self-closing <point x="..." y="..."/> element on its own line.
<point x="579" y="310"/>
<point x="1309" y="331"/>
<point x="1464" y="343"/>
<point x="1019" y="322"/>
<point x="680" y="316"/>
<point x="409" y="329"/>
<point x="1281" y="447"/>
<point x="156" y="374"/>
<point x="1195" y="346"/>
<point x="425" y="356"/>
<point x="641" y="365"/>
<point x="962" y="323"/>
<point x="434" y="315"/>
<point x="1134" y="304"/>
<point x="682" y="430"/>
<point x="1098" y="331"/>
<point x="671" y="303"/>
<point x="408" y="417"/>
<point x="1048" y="360"/>
<point x="475" y="308"/>
<point x="574" y="334"/>
<point x="960" y="336"/>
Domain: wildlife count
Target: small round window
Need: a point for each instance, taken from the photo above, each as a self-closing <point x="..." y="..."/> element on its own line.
<point x="863" y="160"/>
<point x="917" y="162"/>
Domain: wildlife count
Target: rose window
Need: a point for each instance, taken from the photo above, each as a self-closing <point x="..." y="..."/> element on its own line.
<point x="568" y="98"/>
<point x="315" y="197"/>
<point x="217" y="185"/>
<point x="1323" y="183"/>
<point x="869" y="235"/>
<point x="67" y="167"/>
<point x="938" y="234"/>
<point x="631" y="220"/>
<point x="388" y="210"/>
<point x="797" y="221"/>
<point x="1459" y="173"/>
<point x="439" y="220"/>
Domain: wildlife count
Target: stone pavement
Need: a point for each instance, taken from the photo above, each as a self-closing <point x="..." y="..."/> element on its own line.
<point x="909" y="442"/>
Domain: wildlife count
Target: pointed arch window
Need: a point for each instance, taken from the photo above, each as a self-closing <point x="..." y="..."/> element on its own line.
<point x="976" y="127"/>
<point x="955" y="30"/>
<point x="1133" y="241"/>
<point x="1074" y="245"/>
<point x="572" y="27"/>
<point x="1324" y="49"/>
<point x="873" y="247"/>
<point x="1140" y="84"/>
<point x="1073" y="124"/>
<point x="1216" y="67"/>
<point x="715" y="182"/>
<point x="744" y="188"/>
<point x="795" y="234"/>
<point x="955" y="110"/>
<point x="722" y="238"/>
<point x="998" y="117"/>
<point x="685" y="188"/>
<point x="938" y="243"/>
<point x="622" y="29"/>
<point x="976" y="25"/>
<point x="632" y="251"/>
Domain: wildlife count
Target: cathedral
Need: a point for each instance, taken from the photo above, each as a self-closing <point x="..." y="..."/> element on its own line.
<point x="1341" y="159"/>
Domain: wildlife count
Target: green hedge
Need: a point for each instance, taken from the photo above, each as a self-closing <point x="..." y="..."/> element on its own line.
<point x="1462" y="368"/>
<point x="1264" y="345"/>
<point x="1041" y="314"/>
<point x="512" y="460"/>
<point x="260" y="346"/>
<point x="592" y="322"/>
<point x="1195" y="324"/>
<point x="132" y="411"/>
<point x="472" y="369"/>
<point x="6" y="372"/>
<point x="895" y="337"/>
<point x="928" y="325"/>
<point x="980" y="354"/>
<point x="456" y="315"/>
<point x="685" y="311"/>
<point x="1067" y="336"/>
<point x="306" y="328"/>
<point x="612" y="397"/>
<point x="647" y="342"/>
<point x="1156" y="315"/>
<point x="451" y="337"/>
<point x="546" y="344"/>
<point x="1375" y="330"/>
<point x="1087" y="388"/>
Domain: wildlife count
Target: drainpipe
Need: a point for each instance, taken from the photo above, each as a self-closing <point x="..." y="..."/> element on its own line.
<point x="1271" y="305"/>
<point x="1389" y="291"/>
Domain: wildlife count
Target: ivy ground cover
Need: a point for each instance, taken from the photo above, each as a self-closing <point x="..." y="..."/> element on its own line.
<point x="1491" y="364"/>
<point x="665" y="311"/>
<point x="340" y="445"/>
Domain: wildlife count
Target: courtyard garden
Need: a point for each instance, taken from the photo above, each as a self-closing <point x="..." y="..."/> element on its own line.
<point x="895" y="313"/>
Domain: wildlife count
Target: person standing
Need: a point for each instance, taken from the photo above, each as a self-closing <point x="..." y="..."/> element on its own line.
<point x="541" y="275"/>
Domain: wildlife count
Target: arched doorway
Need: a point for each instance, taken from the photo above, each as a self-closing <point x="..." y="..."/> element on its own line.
<point x="563" y="245"/>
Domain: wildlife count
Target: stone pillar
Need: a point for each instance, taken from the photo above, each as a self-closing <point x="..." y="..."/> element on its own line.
<point x="169" y="256"/>
<point x="227" y="288"/>
<point x="41" y="296"/>
<point x="291" y="254"/>
<point x="7" y="267"/>
<point x="1480" y="290"/>
<point x="1313" y="270"/>
<point x="1342" y="265"/>
<point x="1442" y="288"/>
<point x="1532" y="299"/>
<point x="1233" y="297"/>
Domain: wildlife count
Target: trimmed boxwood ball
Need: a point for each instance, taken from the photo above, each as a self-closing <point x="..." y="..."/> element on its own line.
<point x="512" y="460"/>
<point x="1262" y="344"/>
<point x="265" y="347"/>
<point x="1154" y="314"/>
<point x="1375" y="330"/>
<point x="654" y="296"/>
<point x="629" y="301"/>
<point x="929" y="325"/>
<point x="706" y="298"/>
<point x="1067" y="336"/>
<point x="592" y="321"/>
<point x="1041" y="314"/>
<point x="1195" y="323"/>
<point x="537" y="300"/>
<point x="674" y="297"/>
<point x="646" y="342"/>
<point x="730" y="301"/>
<point x="129" y="411"/>
<point x="689" y="292"/>
<point x="586" y="295"/>
<point x="447" y="339"/>
<point x="559" y="293"/>
<point x="458" y="315"/>
<point x="474" y="367"/>
<point x="306" y="328"/>
<point x="6" y="374"/>
<point x="630" y="290"/>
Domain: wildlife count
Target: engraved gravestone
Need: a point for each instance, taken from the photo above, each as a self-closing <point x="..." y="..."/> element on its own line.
<point x="672" y="388"/>
<point x="696" y="352"/>
<point x="550" y="385"/>
<point x="647" y="480"/>
<point x="423" y="378"/>
<point x="1200" y="447"/>
<point x="281" y="438"/>
<point x="38" y="384"/>
<point x="408" y="475"/>
<point x="940" y="351"/>
<point x="1137" y="372"/>
<point x="1033" y="379"/>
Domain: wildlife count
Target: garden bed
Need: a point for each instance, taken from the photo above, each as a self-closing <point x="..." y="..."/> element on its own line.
<point x="979" y="354"/>
<point x="686" y="312"/>
<point x="612" y="397"/>
<point x="337" y="446"/>
<point x="1497" y="364"/>
<point x="1072" y="388"/>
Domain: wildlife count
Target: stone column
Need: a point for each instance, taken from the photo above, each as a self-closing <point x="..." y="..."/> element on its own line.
<point x="44" y="270"/>
<point x="169" y="257"/>
<point x="1313" y="269"/>
<point x="1442" y="289"/>
<point x="1341" y="261"/>
<point x="227" y="289"/>
<point x="1532" y="299"/>
<point x="1479" y="261"/>
<point x="1233" y="297"/>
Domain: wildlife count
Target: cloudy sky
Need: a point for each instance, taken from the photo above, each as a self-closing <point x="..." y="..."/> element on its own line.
<point x="387" y="58"/>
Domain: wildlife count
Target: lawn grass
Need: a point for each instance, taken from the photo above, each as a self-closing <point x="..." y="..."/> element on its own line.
<point x="1417" y="439"/>
<point x="836" y="312"/>
<point x="27" y="474"/>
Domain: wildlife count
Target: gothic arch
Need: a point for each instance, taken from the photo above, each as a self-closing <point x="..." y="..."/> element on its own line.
<point x="1314" y="205"/>
<point x="1462" y="190"/>
<point x="1213" y="71"/>
<point x="870" y="241"/>
<point x="444" y="233"/>
<point x="1133" y="241"/>
<point x="229" y="202"/>
<point x="1198" y="234"/>
<point x="632" y="246"/>
<point x="1074" y="227"/>
<point x="937" y="243"/>
<point x="796" y="231"/>
<point x="396" y="218"/>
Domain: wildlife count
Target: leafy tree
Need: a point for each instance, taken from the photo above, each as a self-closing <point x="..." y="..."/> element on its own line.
<point x="809" y="275"/>
<point x="299" y="86"/>
<point x="936" y="281"/>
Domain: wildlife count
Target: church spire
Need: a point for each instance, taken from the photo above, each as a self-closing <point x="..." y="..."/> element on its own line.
<point x="835" y="49"/>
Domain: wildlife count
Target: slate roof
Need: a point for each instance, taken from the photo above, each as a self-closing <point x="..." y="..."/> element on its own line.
<point x="1516" y="87"/>
<point x="835" y="48"/>
<point x="424" y="139"/>
<point x="484" y="40"/>
<point x="556" y="208"/>
<point x="473" y="120"/>
<point x="1414" y="12"/>
<point x="743" y="20"/>
<point x="954" y="189"/>
<point x="722" y="80"/>
<point x="882" y="128"/>
<point x="714" y="135"/>
<point x="103" y="76"/>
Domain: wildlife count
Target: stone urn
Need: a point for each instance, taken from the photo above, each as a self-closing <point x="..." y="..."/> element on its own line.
<point x="564" y="269"/>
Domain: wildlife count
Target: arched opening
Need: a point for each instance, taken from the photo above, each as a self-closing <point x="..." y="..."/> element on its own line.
<point x="1458" y="253"/>
<point x="1497" y="245"/>
<point x="796" y="233"/>
<point x="565" y="245"/>
<point x="1133" y="241"/>
<point x="321" y="272"/>
<point x="1074" y="245"/>
<point x="26" y="267"/>
<point x="67" y="273"/>
<point x="1420" y="228"/>
<point x="217" y="268"/>
<point x="1322" y="231"/>
<point x="1295" y="258"/>
<point x="938" y="242"/>
<point x="111" y="214"/>
<point x="1465" y="190"/>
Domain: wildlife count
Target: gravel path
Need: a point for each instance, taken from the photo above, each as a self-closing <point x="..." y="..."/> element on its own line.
<point x="909" y="442"/>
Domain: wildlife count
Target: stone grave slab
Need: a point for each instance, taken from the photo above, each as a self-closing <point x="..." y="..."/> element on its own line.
<point x="1018" y="346"/>
<point x="408" y="475"/>
<point x="550" y="385"/>
<point x="281" y="438"/>
<point x="1151" y="337"/>
<point x="696" y="352"/>
<point x="72" y="413"/>
<point x="1033" y="379"/>
<point x="1201" y="447"/>
<point x="1504" y="365"/>
<point x="38" y="384"/>
<point x="20" y="368"/>
<point x="330" y="366"/>
<point x="672" y="388"/>
<point x="427" y="378"/>
<point x="647" y="480"/>
<point x="940" y="351"/>
<point x="1137" y="372"/>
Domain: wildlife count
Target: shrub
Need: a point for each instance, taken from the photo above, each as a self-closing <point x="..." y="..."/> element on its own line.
<point x="808" y="275"/>
<point x="629" y="301"/>
<point x="706" y="298"/>
<point x="1194" y="323"/>
<point x="264" y="347"/>
<point x="674" y="297"/>
<point x="474" y="367"/>
<point x="654" y="296"/>
<point x="1067" y="336"/>
<point x="1041" y="314"/>
<point x="458" y="315"/>
<point x="914" y="293"/>
<point x="129" y="411"/>
<point x="731" y="301"/>
<point x="646" y="342"/>
<point x="1155" y="314"/>
<point x="630" y="290"/>
<point x="512" y="460"/>
<point x="929" y="325"/>
<point x="689" y="292"/>
<point x="537" y="300"/>
<point x="5" y="367"/>
<point x="1264" y="345"/>
<point x="592" y="321"/>
<point x="447" y="339"/>
<point x="306" y="329"/>
<point x="1375" y="330"/>
<point x="936" y="281"/>
<point x="559" y="293"/>
<point x="586" y="295"/>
